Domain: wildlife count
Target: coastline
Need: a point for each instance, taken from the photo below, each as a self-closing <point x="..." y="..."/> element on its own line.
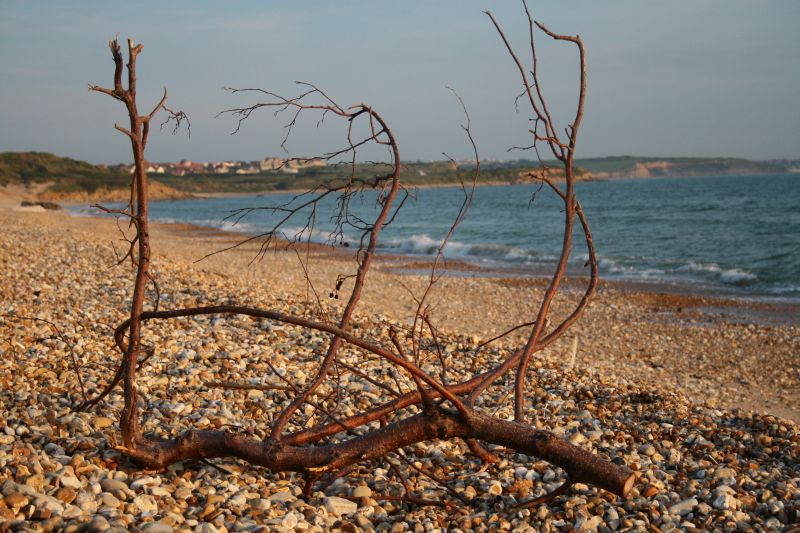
<point x="706" y="346"/>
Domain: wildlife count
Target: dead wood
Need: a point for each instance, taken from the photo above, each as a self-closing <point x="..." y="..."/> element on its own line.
<point x="440" y="405"/>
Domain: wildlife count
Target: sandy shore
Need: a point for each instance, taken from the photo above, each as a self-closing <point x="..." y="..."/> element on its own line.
<point x="682" y="361"/>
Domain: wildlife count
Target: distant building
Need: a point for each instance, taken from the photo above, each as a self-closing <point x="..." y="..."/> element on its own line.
<point x="270" y="163"/>
<point x="290" y="166"/>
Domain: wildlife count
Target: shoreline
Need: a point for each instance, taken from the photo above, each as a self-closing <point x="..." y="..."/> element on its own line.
<point x="769" y="306"/>
<point x="676" y="332"/>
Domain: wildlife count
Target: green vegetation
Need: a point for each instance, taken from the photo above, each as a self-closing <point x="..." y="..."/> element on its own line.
<point x="67" y="175"/>
<point x="437" y="173"/>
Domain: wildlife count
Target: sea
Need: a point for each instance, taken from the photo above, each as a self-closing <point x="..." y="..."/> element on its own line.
<point x="735" y="236"/>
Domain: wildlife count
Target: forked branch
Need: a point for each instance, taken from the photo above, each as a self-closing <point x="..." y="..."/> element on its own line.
<point x="421" y="398"/>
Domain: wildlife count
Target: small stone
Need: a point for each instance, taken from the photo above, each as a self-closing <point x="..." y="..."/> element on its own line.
<point x="48" y="502"/>
<point x="182" y="493"/>
<point x="157" y="527"/>
<point x="495" y="488"/>
<point x="339" y="506"/>
<point x="363" y="522"/>
<point x="725" y="501"/>
<point x="289" y="521"/>
<point x="101" y="422"/>
<point x="71" y="482"/>
<point x="683" y="508"/>
<point x="260" y="503"/>
<point x="650" y="491"/>
<point x="117" y="488"/>
<point x="215" y="499"/>
<point x="97" y="525"/>
<point x="208" y="511"/>
<point x="72" y="512"/>
<point x="542" y="512"/>
<point x="238" y="500"/>
<point x="143" y="481"/>
<point x="86" y="501"/>
<point x="110" y="500"/>
<point x="724" y="473"/>
<point x="16" y="500"/>
<point x="362" y="491"/>
<point x="159" y="491"/>
<point x="146" y="504"/>
<point x="206" y="527"/>
<point x="577" y="438"/>
<point x="41" y="514"/>
<point x="35" y="482"/>
<point x="588" y="525"/>
<point x="703" y="509"/>
<point x="673" y="457"/>
<point x="470" y="492"/>
<point x="66" y="494"/>
<point x="647" y="449"/>
<point x="283" y="496"/>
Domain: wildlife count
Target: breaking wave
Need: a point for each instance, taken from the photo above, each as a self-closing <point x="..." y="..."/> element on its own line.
<point x="424" y="245"/>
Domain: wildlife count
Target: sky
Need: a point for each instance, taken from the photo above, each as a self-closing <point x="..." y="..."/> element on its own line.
<point x="718" y="78"/>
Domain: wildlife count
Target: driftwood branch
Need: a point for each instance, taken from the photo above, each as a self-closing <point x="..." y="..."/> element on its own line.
<point x="422" y="397"/>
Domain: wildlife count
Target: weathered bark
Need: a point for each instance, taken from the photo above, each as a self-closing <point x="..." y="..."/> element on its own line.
<point x="579" y="464"/>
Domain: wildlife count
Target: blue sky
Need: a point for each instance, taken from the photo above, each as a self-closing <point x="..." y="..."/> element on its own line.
<point x="678" y="78"/>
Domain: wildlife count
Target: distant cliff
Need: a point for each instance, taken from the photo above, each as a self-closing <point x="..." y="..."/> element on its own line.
<point x="646" y="167"/>
<point x="68" y="180"/>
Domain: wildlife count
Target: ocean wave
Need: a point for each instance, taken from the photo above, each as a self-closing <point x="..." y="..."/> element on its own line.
<point x="731" y="276"/>
<point x="783" y="289"/>
<point x="224" y="225"/>
<point x="424" y="245"/>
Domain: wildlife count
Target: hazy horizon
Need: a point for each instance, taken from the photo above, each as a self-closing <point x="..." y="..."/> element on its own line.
<point x="664" y="80"/>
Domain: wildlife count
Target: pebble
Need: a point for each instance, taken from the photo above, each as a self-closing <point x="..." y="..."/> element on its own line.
<point x="102" y="422"/>
<point x="66" y="494"/>
<point x="339" y="506"/>
<point x="146" y="504"/>
<point x="98" y="524"/>
<point x="283" y="496"/>
<point x="157" y="527"/>
<point x="117" y="488"/>
<point x="70" y="482"/>
<point x="588" y="525"/>
<point x="684" y="507"/>
<point x="16" y="500"/>
<point x="362" y="491"/>
<point x="495" y="488"/>
<point x="289" y="520"/>
<point x="725" y="501"/>
<point x="699" y="464"/>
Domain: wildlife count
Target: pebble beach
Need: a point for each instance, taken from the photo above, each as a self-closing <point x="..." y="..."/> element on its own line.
<point x="700" y="396"/>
